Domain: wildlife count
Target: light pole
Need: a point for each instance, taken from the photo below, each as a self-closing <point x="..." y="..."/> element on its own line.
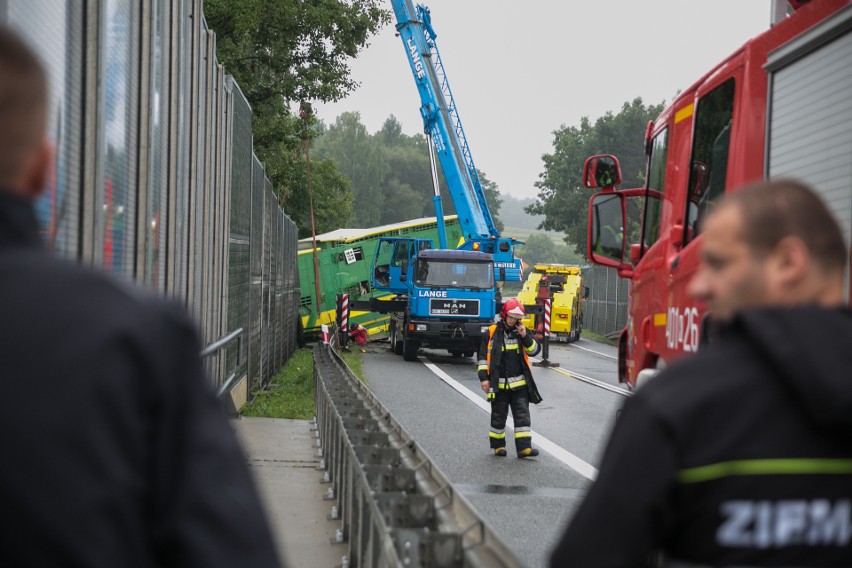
<point x="305" y="113"/>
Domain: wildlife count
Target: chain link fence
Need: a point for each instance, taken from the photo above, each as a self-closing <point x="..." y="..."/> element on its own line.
<point x="155" y="179"/>
<point x="605" y="310"/>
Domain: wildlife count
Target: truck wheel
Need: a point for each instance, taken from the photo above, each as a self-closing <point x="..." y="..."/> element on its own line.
<point x="455" y="353"/>
<point x="396" y="344"/>
<point x="469" y="353"/>
<point x="409" y="349"/>
<point x="300" y="333"/>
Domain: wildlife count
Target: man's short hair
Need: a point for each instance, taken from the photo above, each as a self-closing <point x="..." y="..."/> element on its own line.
<point x="776" y="209"/>
<point x="23" y="103"/>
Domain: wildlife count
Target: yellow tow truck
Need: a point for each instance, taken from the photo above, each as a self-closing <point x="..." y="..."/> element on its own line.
<point x="563" y="284"/>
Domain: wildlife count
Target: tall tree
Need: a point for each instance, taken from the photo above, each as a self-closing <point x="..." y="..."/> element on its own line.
<point x="407" y="187"/>
<point x="537" y="248"/>
<point x="562" y="199"/>
<point x="285" y="51"/>
<point x="391" y="132"/>
<point x="390" y="172"/>
<point x="331" y="196"/>
<point x="359" y="157"/>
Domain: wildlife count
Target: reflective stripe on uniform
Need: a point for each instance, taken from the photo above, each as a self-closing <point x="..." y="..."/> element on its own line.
<point x="497" y="436"/>
<point x="791" y="466"/>
<point x="513" y="384"/>
<point x="523" y="434"/>
<point x="531" y="348"/>
<point x="482" y="367"/>
<point x="510" y="347"/>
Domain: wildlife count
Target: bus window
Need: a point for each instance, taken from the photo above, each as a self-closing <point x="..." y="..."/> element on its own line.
<point x="709" y="164"/>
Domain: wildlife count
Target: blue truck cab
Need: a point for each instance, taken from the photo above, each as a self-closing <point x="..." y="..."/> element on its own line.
<point x="445" y="299"/>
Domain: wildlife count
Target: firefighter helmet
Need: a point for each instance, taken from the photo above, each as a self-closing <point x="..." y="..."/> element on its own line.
<point x="513" y="308"/>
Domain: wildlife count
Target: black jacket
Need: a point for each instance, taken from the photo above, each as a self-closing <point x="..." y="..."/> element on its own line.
<point x="496" y="370"/>
<point x="740" y="455"/>
<point x="115" y="450"/>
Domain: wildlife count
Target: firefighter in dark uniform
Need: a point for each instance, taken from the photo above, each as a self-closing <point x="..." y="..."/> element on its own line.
<point x="740" y="455"/>
<point x="505" y="377"/>
<point x="120" y="454"/>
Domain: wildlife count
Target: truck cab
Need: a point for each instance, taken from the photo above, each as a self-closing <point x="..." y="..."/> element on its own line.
<point x="562" y="285"/>
<point x="445" y="299"/>
<point x="760" y="113"/>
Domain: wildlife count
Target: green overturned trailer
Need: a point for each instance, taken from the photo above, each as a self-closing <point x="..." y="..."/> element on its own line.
<point x="345" y="257"/>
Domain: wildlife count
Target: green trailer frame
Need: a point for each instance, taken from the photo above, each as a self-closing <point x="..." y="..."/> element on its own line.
<point x="345" y="258"/>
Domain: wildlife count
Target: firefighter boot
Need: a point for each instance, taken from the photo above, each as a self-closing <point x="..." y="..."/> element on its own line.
<point x="527" y="453"/>
<point x="500" y="452"/>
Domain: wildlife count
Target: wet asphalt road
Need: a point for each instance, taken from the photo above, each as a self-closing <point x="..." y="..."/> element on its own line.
<point x="526" y="501"/>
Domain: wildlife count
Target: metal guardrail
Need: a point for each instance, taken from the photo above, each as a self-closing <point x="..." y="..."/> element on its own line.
<point x="217" y="366"/>
<point x="395" y="507"/>
<point x="221" y="343"/>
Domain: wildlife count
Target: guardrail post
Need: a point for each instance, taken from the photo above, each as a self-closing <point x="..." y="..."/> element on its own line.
<point x="391" y="502"/>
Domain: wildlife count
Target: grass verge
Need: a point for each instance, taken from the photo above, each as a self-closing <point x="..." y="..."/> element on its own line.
<point x="290" y="394"/>
<point x="600" y="338"/>
<point x="354" y="359"/>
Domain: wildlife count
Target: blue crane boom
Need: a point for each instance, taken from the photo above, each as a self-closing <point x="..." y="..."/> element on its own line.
<point x="443" y="127"/>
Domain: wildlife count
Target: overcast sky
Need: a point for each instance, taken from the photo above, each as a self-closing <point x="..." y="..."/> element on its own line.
<point x="519" y="69"/>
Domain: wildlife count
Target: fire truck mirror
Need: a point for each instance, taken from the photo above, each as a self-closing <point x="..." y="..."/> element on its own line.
<point x="601" y="171"/>
<point x="635" y="253"/>
<point x="607" y="221"/>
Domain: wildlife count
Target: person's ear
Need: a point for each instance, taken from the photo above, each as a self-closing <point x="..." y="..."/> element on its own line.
<point x="36" y="173"/>
<point x="790" y="260"/>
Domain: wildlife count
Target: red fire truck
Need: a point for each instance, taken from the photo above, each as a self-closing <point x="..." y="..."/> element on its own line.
<point x="780" y="106"/>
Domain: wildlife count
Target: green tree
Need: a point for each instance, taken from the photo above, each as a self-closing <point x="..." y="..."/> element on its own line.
<point x="562" y="199"/>
<point x="284" y="51"/>
<point x="407" y="187"/>
<point x="402" y="202"/>
<point x="538" y="248"/>
<point x="331" y="196"/>
<point x="391" y="133"/>
<point x="390" y="172"/>
<point x="360" y="158"/>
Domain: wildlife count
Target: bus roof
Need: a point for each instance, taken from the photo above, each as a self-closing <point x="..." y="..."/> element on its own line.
<point x="347" y="235"/>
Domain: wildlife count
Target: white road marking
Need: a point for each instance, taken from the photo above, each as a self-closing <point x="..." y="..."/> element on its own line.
<point x="585" y="469"/>
<point x="590" y="380"/>
<point x="592" y="351"/>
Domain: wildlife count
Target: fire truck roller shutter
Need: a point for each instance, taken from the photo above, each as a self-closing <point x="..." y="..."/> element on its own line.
<point x="810" y="114"/>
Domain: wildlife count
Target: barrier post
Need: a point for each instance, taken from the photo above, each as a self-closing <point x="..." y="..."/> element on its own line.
<point x="342" y="306"/>
<point x="545" y="340"/>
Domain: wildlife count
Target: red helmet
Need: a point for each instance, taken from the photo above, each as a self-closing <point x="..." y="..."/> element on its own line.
<point x="513" y="308"/>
